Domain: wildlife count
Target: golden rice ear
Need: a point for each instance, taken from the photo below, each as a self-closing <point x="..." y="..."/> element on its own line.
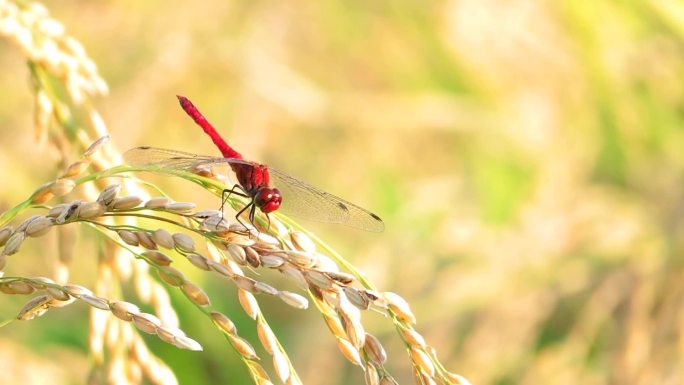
<point x="224" y="250"/>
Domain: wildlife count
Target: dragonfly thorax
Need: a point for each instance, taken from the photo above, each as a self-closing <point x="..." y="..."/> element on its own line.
<point x="252" y="176"/>
<point x="268" y="199"/>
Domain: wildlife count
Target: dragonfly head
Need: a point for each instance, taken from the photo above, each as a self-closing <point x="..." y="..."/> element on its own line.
<point x="268" y="199"/>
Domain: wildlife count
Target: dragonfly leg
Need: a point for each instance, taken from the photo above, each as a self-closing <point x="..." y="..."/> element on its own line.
<point x="225" y="195"/>
<point x="237" y="216"/>
<point x="251" y="216"/>
<point x="252" y="213"/>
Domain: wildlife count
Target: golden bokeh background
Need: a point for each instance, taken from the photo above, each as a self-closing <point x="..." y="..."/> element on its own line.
<point x="527" y="158"/>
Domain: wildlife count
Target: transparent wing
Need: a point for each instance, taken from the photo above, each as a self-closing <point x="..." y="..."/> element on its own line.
<point x="300" y="199"/>
<point x="175" y="160"/>
<point x="178" y="160"/>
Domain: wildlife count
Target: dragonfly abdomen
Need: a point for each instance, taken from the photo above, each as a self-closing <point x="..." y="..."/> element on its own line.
<point x="193" y="112"/>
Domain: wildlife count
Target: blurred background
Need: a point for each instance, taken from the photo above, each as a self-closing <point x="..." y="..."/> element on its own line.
<point x="527" y="158"/>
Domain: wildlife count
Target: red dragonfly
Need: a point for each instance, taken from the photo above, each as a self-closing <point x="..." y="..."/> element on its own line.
<point x="291" y="196"/>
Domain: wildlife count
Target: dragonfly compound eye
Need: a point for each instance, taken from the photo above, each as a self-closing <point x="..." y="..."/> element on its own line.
<point x="268" y="199"/>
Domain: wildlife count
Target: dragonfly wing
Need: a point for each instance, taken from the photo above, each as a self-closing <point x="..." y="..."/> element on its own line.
<point x="303" y="200"/>
<point x="176" y="160"/>
<point x="164" y="158"/>
<point x="299" y="198"/>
